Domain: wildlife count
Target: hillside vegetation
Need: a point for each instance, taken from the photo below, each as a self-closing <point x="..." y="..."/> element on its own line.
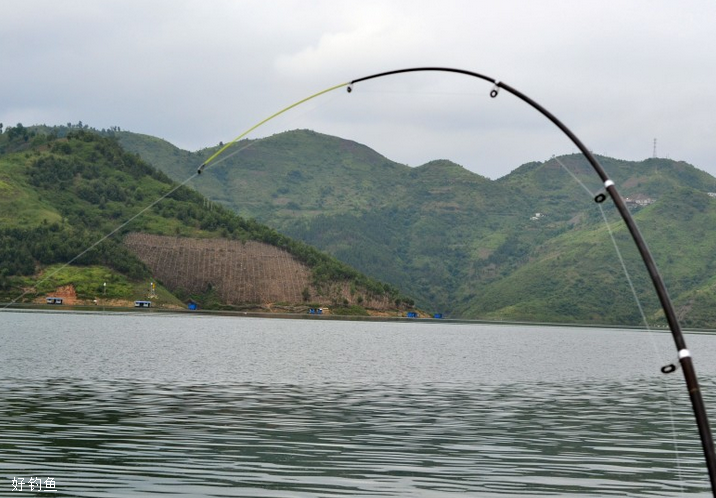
<point x="532" y="245"/>
<point x="64" y="191"/>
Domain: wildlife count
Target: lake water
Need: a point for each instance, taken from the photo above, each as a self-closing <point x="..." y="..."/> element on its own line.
<point x="137" y="404"/>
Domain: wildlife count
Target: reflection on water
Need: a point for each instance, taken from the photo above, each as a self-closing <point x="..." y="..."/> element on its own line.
<point x="99" y="436"/>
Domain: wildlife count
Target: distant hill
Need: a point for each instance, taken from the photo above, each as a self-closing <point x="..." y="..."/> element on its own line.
<point x="532" y="245"/>
<point x="65" y="190"/>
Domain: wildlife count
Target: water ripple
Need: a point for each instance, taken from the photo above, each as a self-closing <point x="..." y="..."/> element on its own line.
<point x="141" y="405"/>
<point x="131" y="438"/>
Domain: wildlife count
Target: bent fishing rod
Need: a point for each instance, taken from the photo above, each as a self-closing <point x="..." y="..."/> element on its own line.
<point x="684" y="356"/>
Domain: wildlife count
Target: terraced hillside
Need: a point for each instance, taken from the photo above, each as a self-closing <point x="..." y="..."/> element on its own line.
<point x="240" y="272"/>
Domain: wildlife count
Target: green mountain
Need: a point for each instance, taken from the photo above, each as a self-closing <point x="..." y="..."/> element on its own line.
<point x="532" y="245"/>
<point x="73" y="196"/>
<point x="341" y="196"/>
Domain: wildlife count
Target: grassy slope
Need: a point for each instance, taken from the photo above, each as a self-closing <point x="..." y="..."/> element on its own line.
<point x="64" y="194"/>
<point x="21" y="205"/>
<point x="583" y="263"/>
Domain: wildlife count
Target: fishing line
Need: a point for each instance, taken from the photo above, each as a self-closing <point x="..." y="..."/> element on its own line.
<point x="260" y="123"/>
<point x="622" y="262"/>
<point x="662" y="380"/>
<point x="224" y="157"/>
<point x="417" y="92"/>
<point x="118" y="228"/>
<point x="614" y="242"/>
<point x="212" y="159"/>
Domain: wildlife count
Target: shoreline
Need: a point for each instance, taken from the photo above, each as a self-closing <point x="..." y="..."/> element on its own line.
<point x="84" y="309"/>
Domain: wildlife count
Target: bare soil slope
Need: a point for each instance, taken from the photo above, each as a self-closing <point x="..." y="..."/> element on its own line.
<point x="240" y="272"/>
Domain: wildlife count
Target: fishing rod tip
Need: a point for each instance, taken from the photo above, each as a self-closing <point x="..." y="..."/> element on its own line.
<point x="201" y="168"/>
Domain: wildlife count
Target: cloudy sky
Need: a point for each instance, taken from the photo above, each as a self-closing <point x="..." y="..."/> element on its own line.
<point x="196" y="72"/>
